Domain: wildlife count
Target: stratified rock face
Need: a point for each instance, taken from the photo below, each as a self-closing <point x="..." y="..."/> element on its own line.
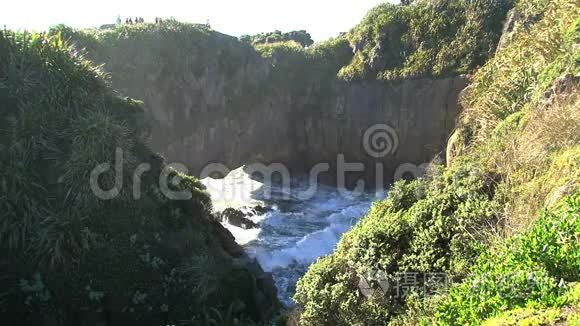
<point x="373" y="122"/>
<point x="218" y="104"/>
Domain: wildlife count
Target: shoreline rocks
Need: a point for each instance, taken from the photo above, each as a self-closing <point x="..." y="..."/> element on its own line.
<point x="240" y="217"/>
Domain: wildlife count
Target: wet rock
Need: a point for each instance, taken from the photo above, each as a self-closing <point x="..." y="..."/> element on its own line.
<point x="237" y="218"/>
<point x="261" y="293"/>
<point x="261" y="210"/>
<point x="228" y="242"/>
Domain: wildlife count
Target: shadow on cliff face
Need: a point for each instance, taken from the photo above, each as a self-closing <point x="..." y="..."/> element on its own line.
<point x="420" y="113"/>
<point x="213" y="99"/>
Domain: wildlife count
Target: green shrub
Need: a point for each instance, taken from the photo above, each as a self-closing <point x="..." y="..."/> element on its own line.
<point x="425" y="226"/>
<point x="301" y="37"/>
<point x="427" y="38"/>
<point x="288" y="61"/>
<point x="299" y="69"/>
<point x="329" y="56"/>
<point x="533" y="269"/>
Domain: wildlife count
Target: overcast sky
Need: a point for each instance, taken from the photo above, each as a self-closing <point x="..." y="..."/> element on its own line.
<point x="322" y="18"/>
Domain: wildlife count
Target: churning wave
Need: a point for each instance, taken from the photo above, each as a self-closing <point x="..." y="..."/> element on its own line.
<point x="296" y="231"/>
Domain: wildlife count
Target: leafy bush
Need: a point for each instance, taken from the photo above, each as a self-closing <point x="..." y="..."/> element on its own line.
<point x="426" y="226"/>
<point x="287" y="58"/>
<point x="299" y="69"/>
<point x="329" y="56"/>
<point x="533" y="269"/>
<point x="301" y="37"/>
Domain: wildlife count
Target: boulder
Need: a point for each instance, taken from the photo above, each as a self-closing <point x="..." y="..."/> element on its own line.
<point x="260" y="210"/>
<point x="228" y="242"/>
<point x="237" y="218"/>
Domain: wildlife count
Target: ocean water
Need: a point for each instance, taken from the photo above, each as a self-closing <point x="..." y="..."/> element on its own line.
<point x="297" y="230"/>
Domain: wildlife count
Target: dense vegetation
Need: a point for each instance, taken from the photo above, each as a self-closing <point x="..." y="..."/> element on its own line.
<point x="68" y="257"/>
<point x="537" y="269"/>
<point x="479" y="220"/>
<point x="301" y="37"/>
<point x="298" y="68"/>
<point x="149" y="56"/>
<point x="426" y="38"/>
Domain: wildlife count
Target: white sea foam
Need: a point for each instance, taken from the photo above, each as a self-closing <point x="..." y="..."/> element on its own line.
<point x="294" y="233"/>
<point x="242" y="236"/>
<point x="235" y="190"/>
<point x="315" y="244"/>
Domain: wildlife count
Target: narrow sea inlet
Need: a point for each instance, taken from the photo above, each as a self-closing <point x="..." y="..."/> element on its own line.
<point x="296" y="230"/>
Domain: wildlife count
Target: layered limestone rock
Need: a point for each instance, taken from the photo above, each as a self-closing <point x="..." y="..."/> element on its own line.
<point x="217" y="102"/>
<point x="400" y="126"/>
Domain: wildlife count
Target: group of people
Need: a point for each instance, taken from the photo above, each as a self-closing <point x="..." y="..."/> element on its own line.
<point x="137" y="20"/>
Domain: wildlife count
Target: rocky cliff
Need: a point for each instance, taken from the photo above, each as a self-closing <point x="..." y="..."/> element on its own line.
<point x="83" y="243"/>
<point x="214" y="99"/>
<point x="373" y="122"/>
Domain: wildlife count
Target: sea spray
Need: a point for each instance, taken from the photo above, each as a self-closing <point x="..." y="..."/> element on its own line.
<point x="294" y="233"/>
